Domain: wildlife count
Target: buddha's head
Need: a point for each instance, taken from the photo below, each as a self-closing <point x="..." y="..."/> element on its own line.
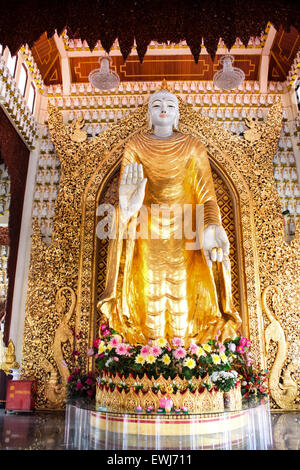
<point x="163" y="110"/>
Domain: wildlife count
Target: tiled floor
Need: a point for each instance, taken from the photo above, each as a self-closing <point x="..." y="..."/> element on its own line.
<point x="46" y="431"/>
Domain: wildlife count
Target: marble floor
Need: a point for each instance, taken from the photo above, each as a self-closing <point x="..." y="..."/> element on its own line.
<point x="46" y="431"/>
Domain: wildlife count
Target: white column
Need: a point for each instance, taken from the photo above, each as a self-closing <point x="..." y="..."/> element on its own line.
<point x="65" y="66"/>
<point x="265" y="59"/>
<point x="5" y="54"/>
<point x="21" y="277"/>
<point x="263" y="73"/>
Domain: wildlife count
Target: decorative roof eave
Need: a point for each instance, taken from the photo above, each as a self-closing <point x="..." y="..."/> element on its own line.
<point x="145" y="20"/>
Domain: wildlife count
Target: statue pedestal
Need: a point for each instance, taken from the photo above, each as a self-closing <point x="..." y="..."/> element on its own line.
<point x="249" y="428"/>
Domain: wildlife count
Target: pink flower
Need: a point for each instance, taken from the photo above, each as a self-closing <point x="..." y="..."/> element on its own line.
<point x="89" y="381"/>
<point x="103" y="327"/>
<point x="240" y="349"/>
<point x="243" y="341"/>
<point x="90" y="352"/>
<point x="156" y="351"/>
<point x="128" y="347"/>
<point x="193" y="348"/>
<point x="90" y="392"/>
<point x="79" y="385"/>
<point x="123" y="349"/>
<point x="177" y="342"/>
<point x="116" y="359"/>
<point x="106" y="333"/>
<point x="115" y="340"/>
<point x="146" y="350"/>
<point x="179" y="353"/>
<point x="162" y="403"/>
<point x="221" y="347"/>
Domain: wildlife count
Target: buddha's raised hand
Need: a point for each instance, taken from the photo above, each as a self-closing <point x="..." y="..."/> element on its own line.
<point x="132" y="189"/>
<point x="215" y="244"/>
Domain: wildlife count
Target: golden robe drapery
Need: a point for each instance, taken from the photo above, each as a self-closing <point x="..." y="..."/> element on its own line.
<point x="156" y="285"/>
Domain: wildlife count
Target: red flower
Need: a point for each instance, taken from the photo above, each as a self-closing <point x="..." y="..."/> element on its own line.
<point x="96" y="342"/>
<point x="79" y="385"/>
<point x="89" y="381"/>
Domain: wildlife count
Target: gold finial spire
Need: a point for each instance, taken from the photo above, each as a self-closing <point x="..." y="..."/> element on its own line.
<point x="164" y="86"/>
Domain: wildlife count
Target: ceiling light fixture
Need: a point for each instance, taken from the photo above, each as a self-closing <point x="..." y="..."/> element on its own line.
<point x="104" y="78"/>
<point x="229" y="77"/>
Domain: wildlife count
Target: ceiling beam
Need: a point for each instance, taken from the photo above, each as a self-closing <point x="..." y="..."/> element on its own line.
<point x="65" y="65"/>
<point x="265" y="60"/>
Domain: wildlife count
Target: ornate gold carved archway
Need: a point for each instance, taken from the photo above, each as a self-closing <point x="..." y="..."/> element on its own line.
<point x="67" y="265"/>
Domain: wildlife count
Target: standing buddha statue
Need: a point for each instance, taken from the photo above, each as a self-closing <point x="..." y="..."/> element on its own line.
<point x="156" y="285"/>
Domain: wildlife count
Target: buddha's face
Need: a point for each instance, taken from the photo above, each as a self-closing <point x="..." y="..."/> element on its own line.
<point x="163" y="109"/>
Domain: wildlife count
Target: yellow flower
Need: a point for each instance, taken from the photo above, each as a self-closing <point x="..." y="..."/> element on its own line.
<point x="166" y="359"/>
<point x="190" y="363"/>
<point x="101" y="348"/>
<point x="109" y="347"/>
<point x="201" y="352"/>
<point x="215" y="358"/>
<point x="161" y="342"/>
<point x="223" y="357"/>
<point x="169" y="389"/>
<point x="150" y="359"/>
<point x="140" y="359"/>
<point x="206" y="347"/>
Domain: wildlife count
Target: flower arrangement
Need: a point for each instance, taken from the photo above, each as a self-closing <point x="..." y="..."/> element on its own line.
<point x="254" y="382"/>
<point x="224" y="365"/>
<point x="159" y="357"/>
<point x="80" y="384"/>
<point x="225" y="380"/>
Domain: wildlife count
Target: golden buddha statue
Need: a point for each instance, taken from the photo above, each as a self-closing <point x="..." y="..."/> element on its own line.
<point x="168" y="282"/>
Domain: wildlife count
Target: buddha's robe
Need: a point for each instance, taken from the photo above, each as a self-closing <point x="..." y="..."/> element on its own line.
<point x="158" y="286"/>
